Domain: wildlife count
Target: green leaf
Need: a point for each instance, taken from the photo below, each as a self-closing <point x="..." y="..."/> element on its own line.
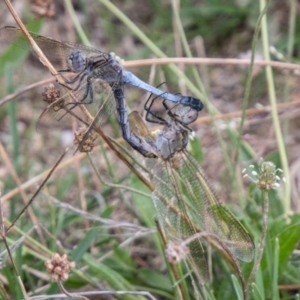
<point x="246" y="152"/>
<point x="14" y="55"/>
<point x="107" y="211"/>
<point x="196" y="149"/>
<point x="123" y="258"/>
<point x="237" y="288"/>
<point x="288" y="235"/>
<point x="155" y="280"/>
<point x="143" y="205"/>
<point x="259" y="283"/>
<point x="275" y="293"/>
<point x="13" y="284"/>
<point x="111" y="277"/>
<point x="256" y="293"/>
<point x="84" y="244"/>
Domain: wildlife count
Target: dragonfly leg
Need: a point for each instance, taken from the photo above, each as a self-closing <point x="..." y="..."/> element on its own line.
<point x="148" y="106"/>
<point x="80" y="80"/>
<point x="72" y="81"/>
<point x="88" y="91"/>
<point x="69" y="81"/>
<point x="79" y="76"/>
<point x="168" y="109"/>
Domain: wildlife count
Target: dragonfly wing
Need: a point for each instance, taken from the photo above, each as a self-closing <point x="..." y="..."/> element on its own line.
<point x="232" y="232"/>
<point x="173" y="217"/>
<point x="138" y="126"/>
<point x="57" y="52"/>
<point x="63" y="111"/>
<point x="212" y="214"/>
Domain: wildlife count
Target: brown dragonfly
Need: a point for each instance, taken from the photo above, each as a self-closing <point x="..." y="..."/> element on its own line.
<point x="184" y="199"/>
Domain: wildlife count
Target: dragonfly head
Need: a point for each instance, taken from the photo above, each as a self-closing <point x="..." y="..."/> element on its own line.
<point x="77" y="61"/>
<point x="185" y="114"/>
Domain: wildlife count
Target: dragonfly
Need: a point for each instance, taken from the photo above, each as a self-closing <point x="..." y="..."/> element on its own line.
<point x="132" y="137"/>
<point x="92" y="77"/>
<point x="183" y="197"/>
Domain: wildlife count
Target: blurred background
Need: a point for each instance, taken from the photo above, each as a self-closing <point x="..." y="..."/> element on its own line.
<point x="131" y="258"/>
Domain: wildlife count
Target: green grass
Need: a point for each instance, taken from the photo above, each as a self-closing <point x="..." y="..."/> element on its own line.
<point x="105" y="220"/>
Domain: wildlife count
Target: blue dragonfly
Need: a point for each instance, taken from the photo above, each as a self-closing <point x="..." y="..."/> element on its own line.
<point x="92" y="77"/>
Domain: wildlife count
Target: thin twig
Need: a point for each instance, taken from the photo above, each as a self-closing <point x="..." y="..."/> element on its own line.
<point x="114" y="185"/>
<point x="25" y="89"/>
<point x="98" y="293"/>
<point x="76" y="296"/>
<point x="3" y="236"/>
<point x="109" y="223"/>
<point x="16" y="178"/>
<point x="210" y="61"/>
<point x="181" y="289"/>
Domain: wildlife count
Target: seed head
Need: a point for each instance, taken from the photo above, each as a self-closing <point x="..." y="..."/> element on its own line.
<point x="43" y="8"/>
<point x="176" y="251"/>
<point x="86" y="145"/>
<point x="50" y="94"/>
<point x="267" y="177"/>
<point x="59" y="267"/>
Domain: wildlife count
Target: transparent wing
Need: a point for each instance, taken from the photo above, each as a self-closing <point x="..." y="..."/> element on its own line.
<point x="136" y="133"/>
<point x="209" y="212"/>
<point x="138" y="126"/>
<point x="63" y="111"/>
<point x="77" y="64"/>
<point x="171" y="210"/>
<point x="84" y="82"/>
<point x="173" y="216"/>
<point x="57" y="52"/>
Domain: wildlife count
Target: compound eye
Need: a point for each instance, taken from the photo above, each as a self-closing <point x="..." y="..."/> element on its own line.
<point x="77" y="61"/>
<point x="190" y="116"/>
<point x="186" y="114"/>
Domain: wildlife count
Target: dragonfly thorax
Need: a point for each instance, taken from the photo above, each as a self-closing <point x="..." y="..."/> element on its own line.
<point x="105" y="68"/>
<point x="170" y="140"/>
<point x="77" y="61"/>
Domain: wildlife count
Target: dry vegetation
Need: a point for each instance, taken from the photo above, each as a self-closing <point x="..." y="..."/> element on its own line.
<point x="76" y="213"/>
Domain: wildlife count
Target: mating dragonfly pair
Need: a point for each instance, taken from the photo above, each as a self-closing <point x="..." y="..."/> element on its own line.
<point x="183" y="197"/>
<point x="94" y="78"/>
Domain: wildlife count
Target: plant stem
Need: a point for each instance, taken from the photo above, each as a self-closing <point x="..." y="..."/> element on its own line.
<point x="274" y="113"/>
<point x="262" y="240"/>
